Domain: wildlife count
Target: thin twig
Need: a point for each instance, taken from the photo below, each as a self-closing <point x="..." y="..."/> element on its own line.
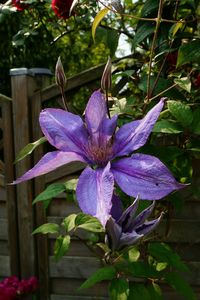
<point x="166" y="90"/>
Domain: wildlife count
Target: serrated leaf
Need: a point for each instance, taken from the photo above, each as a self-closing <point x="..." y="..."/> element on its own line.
<point x="180" y="285"/>
<point x="196" y="121"/>
<point x="47" y="228"/>
<point x="51" y="191"/>
<point x="88" y="223"/>
<point x="165" y="126"/>
<point x="61" y="246"/>
<point x="182" y="112"/>
<point x="163" y="253"/>
<point x="119" y="289"/>
<point x="28" y="149"/>
<point x="69" y="222"/>
<point x="184" y="83"/>
<point x="143" y="32"/>
<point x="98" y="18"/>
<point x="189" y="53"/>
<point x="105" y="273"/>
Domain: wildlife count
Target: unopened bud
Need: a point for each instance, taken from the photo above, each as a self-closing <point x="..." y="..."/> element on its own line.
<point x="60" y="77"/>
<point x="106" y="80"/>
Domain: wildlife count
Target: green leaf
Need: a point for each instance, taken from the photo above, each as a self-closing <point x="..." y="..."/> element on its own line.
<point x="112" y="40"/>
<point x="61" y="246"/>
<point x="105" y="273"/>
<point x="69" y="222"/>
<point x="101" y="14"/>
<point x="163" y="253"/>
<point x="140" y="269"/>
<point x="184" y="83"/>
<point x="139" y="291"/>
<point x="47" y="228"/>
<point x="160" y="266"/>
<point x="88" y="223"/>
<point x="175" y="28"/>
<point x="189" y="53"/>
<point x="143" y="32"/>
<point x="71" y="184"/>
<point x="50" y="192"/>
<point x="119" y="289"/>
<point x="196" y="121"/>
<point x="149" y="7"/>
<point x="182" y="112"/>
<point x="155" y="291"/>
<point x="28" y="149"/>
<point x="132" y="254"/>
<point x="180" y="285"/>
<point x="165" y="126"/>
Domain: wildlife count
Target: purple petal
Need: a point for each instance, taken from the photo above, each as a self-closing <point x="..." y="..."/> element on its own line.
<point x="147" y="227"/>
<point x="113" y="231"/>
<point x="129" y="238"/>
<point x="64" y="130"/>
<point x="144" y="175"/>
<point x="127" y="217"/>
<point x="99" y="126"/>
<point x="50" y="162"/>
<point x="94" y="192"/>
<point x="117" y="209"/>
<point x="95" y="112"/>
<point x="134" y="135"/>
<point x="140" y="219"/>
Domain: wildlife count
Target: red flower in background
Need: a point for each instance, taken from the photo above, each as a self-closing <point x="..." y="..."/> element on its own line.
<point x="19" y="4"/>
<point x="61" y="8"/>
<point x="197" y="81"/>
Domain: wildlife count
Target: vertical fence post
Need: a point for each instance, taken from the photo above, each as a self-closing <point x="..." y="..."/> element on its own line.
<point x="24" y="84"/>
<point x="42" y="77"/>
<point x="11" y="203"/>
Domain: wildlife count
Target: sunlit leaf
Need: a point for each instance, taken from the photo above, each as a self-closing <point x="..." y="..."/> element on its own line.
<point x="61" y="246"/>
<point x="119" y="289"/>
<point x="88" y="223"/>
<point x="69" y="222"/>
<point x="47" y="228"/>
<point x="101" y="14"/>
<point x="184" y="83"/>
<point x="51" y="191"/>
<point x="28" y="149"/>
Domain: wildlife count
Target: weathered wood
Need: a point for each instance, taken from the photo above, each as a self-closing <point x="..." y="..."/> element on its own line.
<point x="3" y="229"/>
<point x="73" y="267"/>
<point x="69" y="286"/>
<point x="2" y="180"/>
<point x="72" y="83"/>
<point x="70" y="297"/>
<point x="23" y="87"/>
<point x="2" y="194"/>
<point x="11" y="203"/>
<point x="3" y="211"/>
<point x="39" y="186"/>
<point x="4" y="266"/>
<point x="62" y="172"/>
<point x="62" y="208"/>
<point x="4" y="249"/>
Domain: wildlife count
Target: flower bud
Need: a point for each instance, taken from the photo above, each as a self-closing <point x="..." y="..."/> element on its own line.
<point x="60" y="77"/>
<point x="106" y="80"/>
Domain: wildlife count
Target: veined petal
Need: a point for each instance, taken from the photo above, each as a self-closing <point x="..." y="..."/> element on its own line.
<point x="129" y="238"/>
<point x="94" y="192"/>
<point x="127" y="217"/>
<point x="50" y="162"/>
<point x="95" y="112"/>
<point x="64" y="130"/>
<point x="113" y="231"/>
<point x="99" y="126"/>
<point x="147" y="227"/>
<point x="145" y="175"/>
<point x="134" y="135"/>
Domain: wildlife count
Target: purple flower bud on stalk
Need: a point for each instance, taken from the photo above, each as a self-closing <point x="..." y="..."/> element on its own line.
<point x="106" y="80"/>
<point x="60" y="77"/>
<point x="129" y="228"/>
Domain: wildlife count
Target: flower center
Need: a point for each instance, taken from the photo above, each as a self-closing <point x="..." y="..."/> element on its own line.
<point x="100" y="154"/>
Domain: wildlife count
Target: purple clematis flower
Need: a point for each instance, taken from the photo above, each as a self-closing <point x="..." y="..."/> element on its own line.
<point x="95" y="144"/>
<point x="127" y="229"/>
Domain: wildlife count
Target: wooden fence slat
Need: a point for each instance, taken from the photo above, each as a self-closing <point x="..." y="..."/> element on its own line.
<point x="73" y="267"/>
<point x="4" y="266"/>
<point x="3" y="229"/>
<point x="70" y="297"/>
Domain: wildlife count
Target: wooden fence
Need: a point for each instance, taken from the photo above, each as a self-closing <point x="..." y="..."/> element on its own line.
<point x="25" y="255"/>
